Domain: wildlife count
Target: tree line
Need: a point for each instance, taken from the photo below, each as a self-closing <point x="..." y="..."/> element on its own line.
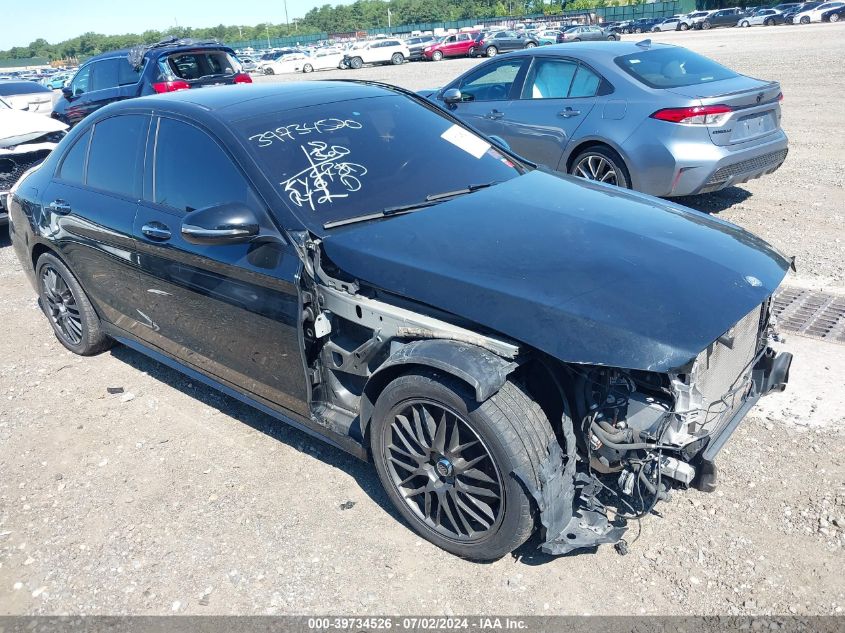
<point x="360" y="15"/>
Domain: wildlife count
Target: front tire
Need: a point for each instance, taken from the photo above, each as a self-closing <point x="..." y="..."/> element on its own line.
<point x="448" y="463"/>
<point x="308" y="68"/>
<point x="530" y="45"/>
<point x="602" y="164"/>
<point x="437" y="56"/>
<point x="834" y="17"/>
<point x="269" y="71"/>
<point x="805" y="20"/>
<point x="684" y="27"/>
<point x="356" y="63"/>
<point x="745" y="24"/>
<point x="68" y="309"/>
<point x="398" y="58"/>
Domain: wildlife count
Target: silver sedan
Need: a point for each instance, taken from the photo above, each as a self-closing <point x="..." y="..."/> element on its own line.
<point x="651" y="117"/>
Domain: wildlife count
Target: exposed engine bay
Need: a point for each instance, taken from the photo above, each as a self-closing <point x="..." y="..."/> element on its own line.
<point x="627" y="436"/>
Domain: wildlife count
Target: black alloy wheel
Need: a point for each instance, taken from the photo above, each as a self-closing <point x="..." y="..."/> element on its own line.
<point x="447" y="462"/>
<point x="60" y="306"/>
<point x="67" y="307"/>
<point x="443" y="471"/>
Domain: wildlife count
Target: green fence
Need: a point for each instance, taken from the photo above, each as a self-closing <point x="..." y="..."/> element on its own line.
<point x="603" y="14"/>
<point x="23" y="62"/>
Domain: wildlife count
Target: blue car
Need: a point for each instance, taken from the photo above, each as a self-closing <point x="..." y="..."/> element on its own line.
<point x="167" y="66"/>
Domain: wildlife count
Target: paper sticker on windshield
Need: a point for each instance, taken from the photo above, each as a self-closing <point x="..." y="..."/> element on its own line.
<point x="467" y="141"/>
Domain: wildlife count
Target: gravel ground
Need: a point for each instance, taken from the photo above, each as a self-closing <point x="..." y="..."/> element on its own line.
<point x="171" y="498"/>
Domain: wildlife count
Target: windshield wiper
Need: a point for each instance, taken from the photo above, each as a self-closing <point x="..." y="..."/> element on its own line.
<point x="459" y="192"/>
<point x="430" y="200"/>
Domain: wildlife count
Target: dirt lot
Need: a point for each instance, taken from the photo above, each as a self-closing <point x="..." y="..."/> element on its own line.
<point x="169" y="497"/>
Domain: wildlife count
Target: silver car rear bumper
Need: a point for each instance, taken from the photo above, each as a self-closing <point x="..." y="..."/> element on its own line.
<point x="684" y="166"/>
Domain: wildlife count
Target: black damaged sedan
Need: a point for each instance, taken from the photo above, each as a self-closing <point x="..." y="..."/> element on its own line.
<point x="502" y="343"/>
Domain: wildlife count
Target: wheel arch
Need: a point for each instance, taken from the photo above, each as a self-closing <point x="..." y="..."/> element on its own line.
<point x="583" y="144"/>
<point x="480" y="369"/>
<point x="39" y="249"/>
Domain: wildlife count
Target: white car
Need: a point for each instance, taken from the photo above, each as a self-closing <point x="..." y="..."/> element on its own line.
<point x="762" y="17"/>
<point x="669" y="24"/>
<point x="698" y="17"/>
<point x="25" y="140"/>
<point x="815" y="15"/>
<point x="387" y="51"/>
<point x="27" y="95"/>
<point x="289" y="63"/>
<point x="323" y="60"/>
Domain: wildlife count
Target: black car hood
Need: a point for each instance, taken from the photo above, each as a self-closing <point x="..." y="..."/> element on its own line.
<point x="586" y="273"/>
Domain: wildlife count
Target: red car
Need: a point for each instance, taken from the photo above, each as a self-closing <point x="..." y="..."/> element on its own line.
<point x="457" y="45"/>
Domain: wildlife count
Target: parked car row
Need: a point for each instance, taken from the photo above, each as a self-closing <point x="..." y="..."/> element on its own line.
<point x="784" y="13"/>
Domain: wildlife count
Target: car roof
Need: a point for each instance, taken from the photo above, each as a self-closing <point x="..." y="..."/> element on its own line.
<point x="234" y="103"/>
<point x="163" y="48"/>
<point x="600" y="51"/>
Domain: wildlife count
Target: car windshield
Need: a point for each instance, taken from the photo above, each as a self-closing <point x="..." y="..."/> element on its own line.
<point x="672" y="67"/>
<point x="336" y="161"/>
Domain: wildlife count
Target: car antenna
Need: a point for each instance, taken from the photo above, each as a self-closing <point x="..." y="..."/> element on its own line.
<point x="644" y="43"/>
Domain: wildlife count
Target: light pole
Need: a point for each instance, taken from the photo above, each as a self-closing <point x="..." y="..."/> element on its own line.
<point x="287" y="21"/>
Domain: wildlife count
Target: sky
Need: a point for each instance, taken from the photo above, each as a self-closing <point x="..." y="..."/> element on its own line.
<point x="57" y="20"/>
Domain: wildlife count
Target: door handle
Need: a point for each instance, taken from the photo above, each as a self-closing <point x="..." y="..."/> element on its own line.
<point x="568" y="112"/>
<point x="60" y="207"/>
<point x="156" y="231"/>
<point x="495" y="115"/>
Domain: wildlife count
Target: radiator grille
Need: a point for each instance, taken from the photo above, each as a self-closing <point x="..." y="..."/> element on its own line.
<point x="723" y="371"/>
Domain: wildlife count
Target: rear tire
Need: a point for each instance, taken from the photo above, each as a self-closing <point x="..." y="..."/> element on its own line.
<point x="769" y="22"/>
<point x="308" y="68"/>
<point x="530" y="45"/>
<point x="269" y="71"/>
<point x="491" y="51"/>
<point x="507" y="433"/>
<point x="597" y="163"/>
<point x="68" y="309"/>
<point x="611" y="38"/>
<point x="471" y="52"/>
<point x="706" y="25"/>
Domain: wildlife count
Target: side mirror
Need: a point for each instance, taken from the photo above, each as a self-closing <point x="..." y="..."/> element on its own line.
<point x="452" y="96"/>
<point x="67" y="92"/>
<point x="229" y="223"/>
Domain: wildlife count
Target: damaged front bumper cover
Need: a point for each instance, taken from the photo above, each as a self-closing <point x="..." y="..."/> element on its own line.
<point x="571" y="514"/>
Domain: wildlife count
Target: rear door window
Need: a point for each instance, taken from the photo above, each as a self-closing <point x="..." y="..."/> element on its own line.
<point x="116" y="155"/>
<point x="549" y="79"/>
<point x="104" y="74"/>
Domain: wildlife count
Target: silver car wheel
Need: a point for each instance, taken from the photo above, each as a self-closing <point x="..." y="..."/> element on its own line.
<point x="596" y="167"/>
